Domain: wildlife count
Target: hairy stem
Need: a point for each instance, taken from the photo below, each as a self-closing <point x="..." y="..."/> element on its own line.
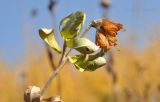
<point x="55" y="73"/>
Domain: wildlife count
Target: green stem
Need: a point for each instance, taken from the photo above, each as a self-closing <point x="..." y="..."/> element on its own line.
<point x="62" y="61"/>
<point x="87" y="29"/>
<point x="68" y="52"/>
<point x="63" y="53"/>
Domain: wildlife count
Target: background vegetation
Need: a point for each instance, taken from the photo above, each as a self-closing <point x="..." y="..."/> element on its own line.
<point x="138" y="79"/>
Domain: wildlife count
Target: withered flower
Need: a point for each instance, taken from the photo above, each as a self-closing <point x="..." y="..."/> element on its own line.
<point x="101" y="41"/>
<point x="106" y="33"/>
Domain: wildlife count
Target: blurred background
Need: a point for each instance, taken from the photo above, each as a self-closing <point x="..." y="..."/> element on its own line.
<point x="131" y="74"/>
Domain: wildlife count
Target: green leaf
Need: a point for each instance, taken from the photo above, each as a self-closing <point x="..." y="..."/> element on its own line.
<point x="72" y="25"/>
<point x="96" y="63"/>
<point x="82" y="62"/>
<point x="48" y="36"/>
<point x="83" y="45"/>
<point x="78" y="61"/>
<point x="74" y="59"/>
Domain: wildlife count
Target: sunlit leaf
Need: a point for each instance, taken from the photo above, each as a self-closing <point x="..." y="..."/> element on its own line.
<point x="78" y="61"/>
<point x="96" y="63"/>
<point x="48" y="36"/>
<point x="82" y="62"/>
<point x="83" y="45"/>
<point x="74" y="59"/>
<point x="72" y="25"/>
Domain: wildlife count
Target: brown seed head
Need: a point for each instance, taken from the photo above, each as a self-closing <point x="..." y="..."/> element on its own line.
<point x="106" y="33"/>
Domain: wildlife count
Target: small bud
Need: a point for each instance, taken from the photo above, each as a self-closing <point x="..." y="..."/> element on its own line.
<point x="32" y="94"/>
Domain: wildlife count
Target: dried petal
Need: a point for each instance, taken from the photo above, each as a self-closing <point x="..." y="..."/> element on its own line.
<point x="111" y="28"/>
<point x="102" y="41"/>
<point x="112" y="40"/>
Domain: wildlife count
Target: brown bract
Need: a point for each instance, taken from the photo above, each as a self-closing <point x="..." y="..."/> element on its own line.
<point x="101" y="41"/>
<point x="106" y="32"/>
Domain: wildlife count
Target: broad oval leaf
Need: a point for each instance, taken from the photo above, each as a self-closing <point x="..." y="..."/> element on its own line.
<point x="72" y="25"/>
<point x="83" y="45"/>
<point x="82" y="63"/>
<point x="48" y="36"/>
<point x="96" y="63"/>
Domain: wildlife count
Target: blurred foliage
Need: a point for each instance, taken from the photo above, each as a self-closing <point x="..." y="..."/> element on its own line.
<point x="138" y="79"/>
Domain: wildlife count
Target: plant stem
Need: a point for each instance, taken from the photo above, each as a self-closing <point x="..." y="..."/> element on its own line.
<point x="62" y="61"/>
<point x="68" y="52"/>
<point x="55" y="73"/>
<point x="63" y="53"/>
<point x="87" y="29"/>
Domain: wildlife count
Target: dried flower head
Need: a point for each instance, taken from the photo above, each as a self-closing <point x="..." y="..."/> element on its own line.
<point x="32" y="94"/>
<point x="106" y="32"/>
<point x="101" y="41"/>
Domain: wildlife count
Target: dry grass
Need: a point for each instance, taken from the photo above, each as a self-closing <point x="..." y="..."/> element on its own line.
<point x="138" y="79"/>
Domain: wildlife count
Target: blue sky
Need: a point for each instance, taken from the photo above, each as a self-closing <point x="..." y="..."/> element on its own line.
<point x="15" y="16"/>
